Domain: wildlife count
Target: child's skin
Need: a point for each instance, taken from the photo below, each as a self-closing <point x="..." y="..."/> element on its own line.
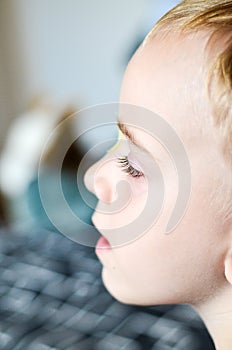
<point x="194" y="263"/>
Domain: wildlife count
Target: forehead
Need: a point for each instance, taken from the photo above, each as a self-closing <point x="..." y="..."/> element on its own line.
<point x="168" y="76"/>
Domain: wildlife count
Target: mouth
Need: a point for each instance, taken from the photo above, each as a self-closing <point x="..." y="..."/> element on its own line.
<point x="102" y="245"/>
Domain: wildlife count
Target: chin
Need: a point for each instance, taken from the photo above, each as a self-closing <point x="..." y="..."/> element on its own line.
<point x="121" y="291"/>
<point x="131" y="295"/>
<point x="116" y="289"/>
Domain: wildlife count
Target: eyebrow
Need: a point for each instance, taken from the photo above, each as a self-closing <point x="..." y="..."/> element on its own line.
<point x="130" y="135"/>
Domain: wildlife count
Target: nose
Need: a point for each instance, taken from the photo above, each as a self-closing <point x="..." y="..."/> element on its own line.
<point x="97" y="180"/>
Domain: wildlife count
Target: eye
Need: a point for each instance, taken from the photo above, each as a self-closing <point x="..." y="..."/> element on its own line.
<point x="128" y="168"/>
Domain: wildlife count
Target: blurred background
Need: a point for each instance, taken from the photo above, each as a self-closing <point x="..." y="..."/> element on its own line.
<point x="57" y="57"/>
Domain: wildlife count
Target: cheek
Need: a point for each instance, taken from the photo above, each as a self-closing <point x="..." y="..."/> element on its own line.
<point x="182" y="267"/>
<point x="141" y="276"/>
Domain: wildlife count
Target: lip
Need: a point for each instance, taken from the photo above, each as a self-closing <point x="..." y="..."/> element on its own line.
<point x="102" y="245"/>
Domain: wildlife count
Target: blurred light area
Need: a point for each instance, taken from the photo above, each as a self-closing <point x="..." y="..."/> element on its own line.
<point x="21" y="153"/>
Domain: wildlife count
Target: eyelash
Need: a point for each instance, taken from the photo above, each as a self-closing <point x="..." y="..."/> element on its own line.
<point x="128" y="168"/>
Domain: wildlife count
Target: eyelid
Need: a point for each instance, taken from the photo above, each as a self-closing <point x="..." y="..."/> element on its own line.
<point x="115" y="146"/>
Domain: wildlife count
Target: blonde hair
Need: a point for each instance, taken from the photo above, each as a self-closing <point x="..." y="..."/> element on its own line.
<point x="216" y="16"/>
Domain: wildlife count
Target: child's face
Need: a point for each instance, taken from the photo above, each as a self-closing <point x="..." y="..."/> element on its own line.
<point x="166" y="77"/>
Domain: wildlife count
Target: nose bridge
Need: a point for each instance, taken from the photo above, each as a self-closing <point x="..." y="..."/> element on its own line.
<point x="98" y="179"/>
